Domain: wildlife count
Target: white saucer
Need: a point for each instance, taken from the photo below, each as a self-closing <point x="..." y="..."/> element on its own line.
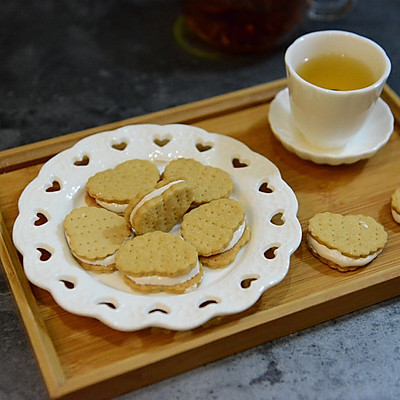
<point x="373" y="135"/>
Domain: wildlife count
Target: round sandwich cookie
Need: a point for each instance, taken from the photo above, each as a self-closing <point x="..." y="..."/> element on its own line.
<point x="395" y="205"/>
<point x="161" y="208"/>
<point x="113" y="188"/>
<point x="217" y="230"/>
<point x="159" y="261"/>
<point x="94" y="235"/>
<point x="209" y="183"/>
<point x="345" y="242"/>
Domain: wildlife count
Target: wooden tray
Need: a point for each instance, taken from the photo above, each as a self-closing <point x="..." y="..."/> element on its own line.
<point x="79" y="357"/>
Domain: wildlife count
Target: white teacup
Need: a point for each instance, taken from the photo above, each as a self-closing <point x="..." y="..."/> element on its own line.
<point x="330" y="118"/>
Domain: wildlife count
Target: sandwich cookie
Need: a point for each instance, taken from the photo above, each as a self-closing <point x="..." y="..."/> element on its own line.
<point x="217" y="230"/>
<point x="159" y="261"/>
<point x="94" y="235"/>
<point x="113" y="188"/>
<point x="395" y="205"/>
<point x="345" y="242"/>
<point x="209" y="183"/>
<point x="160" y="209"/>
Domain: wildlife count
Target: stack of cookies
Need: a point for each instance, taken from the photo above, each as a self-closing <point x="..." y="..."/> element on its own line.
<point x="345" y="242"/>
<point x="132" y="210"/>
<point x="348" y="242"/>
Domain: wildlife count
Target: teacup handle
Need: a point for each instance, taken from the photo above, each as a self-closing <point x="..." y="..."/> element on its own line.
<point x="327" y="10"/>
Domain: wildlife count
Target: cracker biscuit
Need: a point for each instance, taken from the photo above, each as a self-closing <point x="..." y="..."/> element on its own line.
<point x="160" y="209"/>
<point x="227" y="257"/>
<point x="395" y="205"/>
<point x="159" y="261"/>
<point x="94" y="235"/>
<point x="215" y="227"/>
<point x="113" y="188"/>
<point x="345" y="242"/>
<point x="210" y="183"/>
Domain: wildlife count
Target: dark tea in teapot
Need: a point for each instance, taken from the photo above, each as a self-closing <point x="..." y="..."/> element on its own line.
<point x="243" y="26"/>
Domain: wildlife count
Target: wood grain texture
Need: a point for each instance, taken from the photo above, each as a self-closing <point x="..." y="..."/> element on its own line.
<point x="79" y="356"/>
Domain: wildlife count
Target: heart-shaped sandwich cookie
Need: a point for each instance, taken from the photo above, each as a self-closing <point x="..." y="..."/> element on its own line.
<point x="94" y="235"/>
<point x="209" y="183"/>
<point x="159" y="261"/>
<point x="160" y="209"/>
<point x="217" y="230"/>
<point x="345" y="242"/>
<point x="114" y="188"/>
<point x="395" y="205"/>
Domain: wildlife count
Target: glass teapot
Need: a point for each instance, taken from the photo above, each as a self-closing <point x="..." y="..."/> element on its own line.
<point x="249" y="26"/>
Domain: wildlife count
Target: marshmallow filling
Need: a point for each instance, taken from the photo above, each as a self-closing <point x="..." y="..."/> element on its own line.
<point x="157" y="280"/>
<point x="114" y="207"/>
<point x="337" y="257"/>
<point x="236" y="237"/>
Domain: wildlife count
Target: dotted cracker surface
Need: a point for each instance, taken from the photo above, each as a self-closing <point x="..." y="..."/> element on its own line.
<point x="223" y="259"/>
<point x="124" y="182"/>
<point x="353" y="235"/>
<point x="156" y="253"/>
<point x="395" y="200"/>
<point x="210" y="227"/>
<point x="180" y="288"/>
<point x="210" y="183"/>
<point x="95" y="233"/>
<point x="162" y="212"/>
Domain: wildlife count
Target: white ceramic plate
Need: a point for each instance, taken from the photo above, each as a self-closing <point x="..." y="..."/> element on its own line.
<point x="60" y="187"/>
<point x="373" y="135"/>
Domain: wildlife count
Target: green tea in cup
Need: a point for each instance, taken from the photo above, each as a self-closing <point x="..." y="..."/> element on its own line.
<point x="336" y="71"/>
